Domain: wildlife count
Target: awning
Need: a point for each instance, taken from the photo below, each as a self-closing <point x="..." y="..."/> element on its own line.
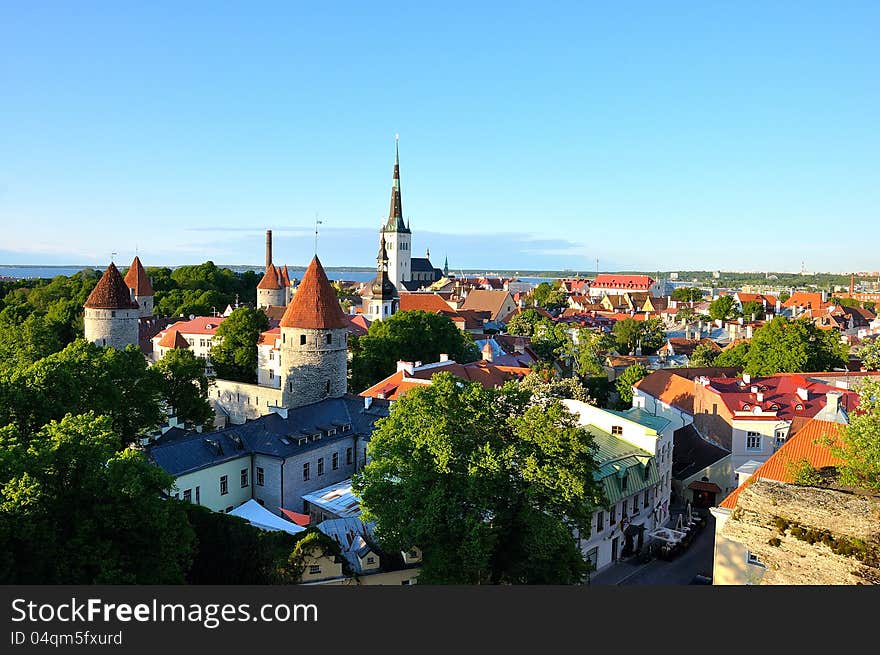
<point x="711" y="487"/>
<point x="296" y="517"/>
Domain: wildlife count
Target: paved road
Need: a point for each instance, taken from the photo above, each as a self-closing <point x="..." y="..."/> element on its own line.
<point x="696" y="560"/>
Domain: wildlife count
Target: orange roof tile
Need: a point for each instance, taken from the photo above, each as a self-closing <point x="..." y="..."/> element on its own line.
<point x="315" y="305"/>
<point x="270" y="279"/>
<point x="111" y="292"/>
<point x="805" y="445"/>
<point x="136" y="278"/>
<point x="427" y="302"/>
<point x="173" y="339"/>
<point x="198" y="325"/>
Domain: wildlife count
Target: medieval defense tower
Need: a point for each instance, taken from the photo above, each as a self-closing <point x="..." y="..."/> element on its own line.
<point x="111" y="317"/>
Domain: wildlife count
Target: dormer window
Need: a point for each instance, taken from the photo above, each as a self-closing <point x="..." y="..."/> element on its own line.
<point x="746" y="407"/>
<point x="774" y="407"/>
<point x="798" y="407"/>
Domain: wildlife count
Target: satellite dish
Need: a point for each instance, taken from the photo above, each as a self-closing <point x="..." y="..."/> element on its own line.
<point x="192" y="316"/>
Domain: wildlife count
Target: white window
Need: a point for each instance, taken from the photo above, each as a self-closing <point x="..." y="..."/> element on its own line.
<point x="751" y="558"/>
<point x="753" y="441"/>
<point x="780" y="437"/>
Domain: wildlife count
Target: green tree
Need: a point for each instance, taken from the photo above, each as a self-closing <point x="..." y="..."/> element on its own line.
<point x="752" y="308"/>
<point x="186" y="387"/>
<point x="553" y="344"/>
<point x="550" y="296"/>
<point x="73" y="510"/>
<point x="703" y="355"/>
<point x="733" y="357"/>
<point x="84" y="377"/>
<point x="592" y="346"/>
<point x="625" y="382"/>
<point x="687" y="294"/>
<point x="790" y="346"/>
<point x="234" y="353"/>
<point x="556" y="387"/>
<point x="869" y="353"/>
<point x="408" y="336"/>
<point x="525" y="323"/>
<point x="723" y="308"/>
<point x="627" y="333"/>
<point x="487" y="485"/>
<point x="859" y="446"/>
<point x="229" y="550"/>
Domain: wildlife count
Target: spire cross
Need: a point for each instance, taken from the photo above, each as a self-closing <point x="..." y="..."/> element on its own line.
<point x="317" y="223"/>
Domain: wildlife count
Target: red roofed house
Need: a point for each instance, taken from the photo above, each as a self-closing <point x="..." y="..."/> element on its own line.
<point x="610" y="283"/>
<point x="410" y="375"/>
<point x="753" y="417"/>
<point x="733" y="563"/>
<point x="769" y="304"/>
<point x="197" y="333"/>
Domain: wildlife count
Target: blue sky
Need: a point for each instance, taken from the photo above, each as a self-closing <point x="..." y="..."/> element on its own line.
<point x="654" y="136"/>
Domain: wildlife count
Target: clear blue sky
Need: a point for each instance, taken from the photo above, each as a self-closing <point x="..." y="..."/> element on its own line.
<point x="656" y="135"/>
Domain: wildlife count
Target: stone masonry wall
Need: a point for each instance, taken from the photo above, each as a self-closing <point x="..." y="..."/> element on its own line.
<point x="111" y="327"/>
<point x="311" y="365"/>
<point x="765" y="507"/>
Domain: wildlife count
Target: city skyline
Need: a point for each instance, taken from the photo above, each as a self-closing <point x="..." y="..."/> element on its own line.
<point x="682" y="138"/>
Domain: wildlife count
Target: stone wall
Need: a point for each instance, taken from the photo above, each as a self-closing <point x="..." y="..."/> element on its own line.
<point x="759" y="523"/>
<point x="315" y="369"/>
<point x="266" y="297"/>
<point x="146" y="305"/>
<point x="111" y="327"/>
<point x="242" y="401"/>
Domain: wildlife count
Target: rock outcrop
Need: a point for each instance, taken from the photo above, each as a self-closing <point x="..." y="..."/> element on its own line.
<point x="809" y="535"/>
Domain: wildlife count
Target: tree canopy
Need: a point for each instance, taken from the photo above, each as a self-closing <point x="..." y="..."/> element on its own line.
<point x="626" y="380"/>
<point x="703" y="355"/>
<point x="869" y="353"/>
<point x="630" y="334"/>
<point x="525" y="323"/>
<point x="408" y="336"/>
<point x="200" y="289"/>
<point x="859" y="446"/>
<point x="790" y="346"/>
<point x="489" y="486"/>
<point x="550" y="296"/>
<point x="723" y="308"/>
<point x="234" y="350"/>
<point x="687" y="294"/>
<point x="186" y="387"/>
<point x="74" y="509"/>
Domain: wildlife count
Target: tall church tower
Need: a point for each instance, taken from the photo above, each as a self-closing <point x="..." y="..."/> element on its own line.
<point x="111" y="316"/>
<point x="141" y="289"/>
<point x="382" y="300"/>
<point x="314" y="348"/>
<point x="397" y="235"/>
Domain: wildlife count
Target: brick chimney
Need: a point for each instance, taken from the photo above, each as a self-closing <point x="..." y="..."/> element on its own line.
<point x="268" y="248"/>
<point x="488" y="355"/>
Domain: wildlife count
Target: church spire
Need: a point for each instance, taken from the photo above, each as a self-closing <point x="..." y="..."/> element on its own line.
<point x="395" y="213"/>
<point x="382" y="286"/>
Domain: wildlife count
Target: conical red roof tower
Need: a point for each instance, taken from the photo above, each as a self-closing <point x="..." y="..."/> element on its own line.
<point x="315" y="305"/>
<point x="111" y="292"/>
<point x="137" y="280"/>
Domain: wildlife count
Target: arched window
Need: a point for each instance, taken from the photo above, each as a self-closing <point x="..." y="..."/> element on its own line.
<point x="302" y="339"/>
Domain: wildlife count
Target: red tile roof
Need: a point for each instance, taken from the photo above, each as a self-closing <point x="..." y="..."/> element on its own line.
<point x="486" y="373"/>
<point x="285" y="276"/>
<point x="173" y="339"/>
<point x="315" y="305"/>
<point x="803" y="299"/>
<point x="634" y="282"/>
<point x="779" y="391"/>
<point x="270" y="279"/>
<point x="675" y="386"/>
<point x="426" y="302"/>
<point x="136" y="278"/>
<point x="269" y="337"/>
<point x="358" y="324"/>
<point x="111" y="292"/>
<point x="198" y="325"/>
<point x="805" y="445"/>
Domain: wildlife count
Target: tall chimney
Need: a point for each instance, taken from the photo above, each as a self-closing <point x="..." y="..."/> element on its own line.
<point x="268" y="248"/>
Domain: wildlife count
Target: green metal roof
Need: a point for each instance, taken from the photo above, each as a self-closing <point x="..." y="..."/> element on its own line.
<point x="619" y="460"/>
<point x="640" y="416"/>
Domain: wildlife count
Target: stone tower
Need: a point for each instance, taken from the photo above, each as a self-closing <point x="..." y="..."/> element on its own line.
<point x="382" y="300"/>
<point x="270" y="290"/>
<point x="141" y="288"/>
<point x="398" y="238"/>
<point x="314" y="348"/>
<point x="111" y="317"/>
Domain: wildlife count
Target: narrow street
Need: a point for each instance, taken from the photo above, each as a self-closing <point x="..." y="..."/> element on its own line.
<point x="696" y="560"/>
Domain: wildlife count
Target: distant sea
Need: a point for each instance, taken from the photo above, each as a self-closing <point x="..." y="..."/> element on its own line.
<point x="354" y="275"/>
